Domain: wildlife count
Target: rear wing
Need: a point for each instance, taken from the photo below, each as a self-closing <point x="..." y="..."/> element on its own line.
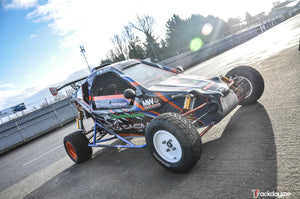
<point x="54" y="90"/>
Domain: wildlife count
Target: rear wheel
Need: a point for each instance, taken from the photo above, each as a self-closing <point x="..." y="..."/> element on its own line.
<point x="76" y="146"/>
<point x="174" y="142"/>
<point x="248" y="82"/>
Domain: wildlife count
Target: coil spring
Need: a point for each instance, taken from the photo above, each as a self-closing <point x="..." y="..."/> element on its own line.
<point x="190" y="117"/>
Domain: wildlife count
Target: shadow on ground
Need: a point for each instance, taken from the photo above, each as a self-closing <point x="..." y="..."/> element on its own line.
<point x="242" y="159"/>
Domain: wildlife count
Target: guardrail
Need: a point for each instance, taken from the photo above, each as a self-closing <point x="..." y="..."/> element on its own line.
<point x="31" y="125"/>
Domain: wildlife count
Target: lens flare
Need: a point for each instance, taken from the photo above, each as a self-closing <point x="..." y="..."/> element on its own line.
<point x="196" y="44"/>
<point x="207" y="29"/>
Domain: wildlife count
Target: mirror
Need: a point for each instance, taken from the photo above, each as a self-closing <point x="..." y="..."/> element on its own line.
<point x="179" y="69"/>
<point x="129" y="93"/>
<point x="53" y="91"/>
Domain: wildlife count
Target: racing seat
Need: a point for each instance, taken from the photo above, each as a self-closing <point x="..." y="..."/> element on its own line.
<point x="112" y="90"/>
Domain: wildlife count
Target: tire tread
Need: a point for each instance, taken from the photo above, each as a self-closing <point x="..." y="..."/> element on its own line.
<point x="80" y="144"/>
<point x="188" y="131"/>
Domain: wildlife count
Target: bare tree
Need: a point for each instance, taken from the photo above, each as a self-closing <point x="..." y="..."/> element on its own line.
<point x="146" y="24"/>
<point x="128" y="34"/>
<point x="120" y="50"/>
<point x="135" y="49"/>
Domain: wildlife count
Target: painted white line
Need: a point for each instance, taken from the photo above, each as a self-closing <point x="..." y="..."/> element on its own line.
<point x="9" y="162"/>
<point x="42" y="155"/>
<point x="36" y="180"/>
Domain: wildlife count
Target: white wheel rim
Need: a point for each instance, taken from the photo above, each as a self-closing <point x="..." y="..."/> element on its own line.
<point x="167" y="146"/>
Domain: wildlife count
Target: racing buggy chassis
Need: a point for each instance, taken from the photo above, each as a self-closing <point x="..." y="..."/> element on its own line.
<point x="137" y="98"/>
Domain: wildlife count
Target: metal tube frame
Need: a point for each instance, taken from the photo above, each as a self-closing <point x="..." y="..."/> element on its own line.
<point x="128" y="143"/>
<point x="195" y="109"/>
<point x="206" y="129"/>
<point x="115" y="136"/>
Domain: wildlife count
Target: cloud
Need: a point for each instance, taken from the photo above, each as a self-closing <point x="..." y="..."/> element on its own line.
<point x="90" y="23"/>
<point x="18" y="4"/>
<point x="33" y="35"/>
<point x="12" y="96"/>
<point x="6" y="86"/>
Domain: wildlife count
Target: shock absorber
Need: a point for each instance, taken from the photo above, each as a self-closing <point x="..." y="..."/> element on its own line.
<point x="188" y="105"/>
<point x="79" y="117"/>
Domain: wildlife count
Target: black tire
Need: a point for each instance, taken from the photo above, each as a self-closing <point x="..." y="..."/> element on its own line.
<point x="76" y="146"/>
<point x="174" y="132"/>
<point x="250" y="77"/>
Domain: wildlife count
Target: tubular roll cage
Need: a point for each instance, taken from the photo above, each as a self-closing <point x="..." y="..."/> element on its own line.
<point x="187" y="107"/>
<point x="115" y="136"/>
<point x="98" y="142"/>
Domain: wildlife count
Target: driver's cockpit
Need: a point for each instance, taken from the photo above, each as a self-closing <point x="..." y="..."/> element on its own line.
<point x="107" y="91"/>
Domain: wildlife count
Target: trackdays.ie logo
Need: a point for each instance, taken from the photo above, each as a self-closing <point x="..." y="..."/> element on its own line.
<point x="257" y="193"/>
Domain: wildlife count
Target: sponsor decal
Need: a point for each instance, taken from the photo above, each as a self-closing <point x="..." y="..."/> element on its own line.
<point x="258" y="194"/>
<point x="117" y="126"/>
<point x="151" y="103"/>
<point x="148" y="102"/>
<point x="120" y="104"/>
<point x="142" y="115"/>
<point x="103" y="70"/>
<point x="114" y="103"/>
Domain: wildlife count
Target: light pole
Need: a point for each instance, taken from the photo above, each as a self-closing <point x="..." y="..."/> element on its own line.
<point x="82" y="50"/>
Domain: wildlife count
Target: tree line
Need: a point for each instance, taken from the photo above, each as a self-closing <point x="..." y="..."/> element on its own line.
<point x="179" y="34"/>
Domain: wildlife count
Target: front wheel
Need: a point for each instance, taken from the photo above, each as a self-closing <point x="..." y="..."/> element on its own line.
<point x="248" y="83"/>
<point x="174" y="142"/>
<point x="76" y="146"/>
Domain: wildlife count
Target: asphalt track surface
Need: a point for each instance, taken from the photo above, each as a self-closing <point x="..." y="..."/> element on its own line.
<point x="254" y="147"/>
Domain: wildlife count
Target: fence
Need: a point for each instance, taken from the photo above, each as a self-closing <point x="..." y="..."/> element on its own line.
<point x="31" y="125"/>
<point x="36" y="105"/>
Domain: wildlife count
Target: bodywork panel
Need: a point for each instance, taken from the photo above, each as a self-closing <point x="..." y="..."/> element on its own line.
<point x="131" y="116"/>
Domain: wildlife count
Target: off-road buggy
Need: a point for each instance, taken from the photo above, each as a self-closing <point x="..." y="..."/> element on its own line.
<point x="138" y="98"/>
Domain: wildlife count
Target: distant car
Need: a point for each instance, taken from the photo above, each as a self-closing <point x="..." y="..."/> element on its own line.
<point x="138" y="98"/>
<point x="19" y="107"/>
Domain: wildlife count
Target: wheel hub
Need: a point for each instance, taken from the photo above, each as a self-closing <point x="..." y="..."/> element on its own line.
<point x="167" y="146"/>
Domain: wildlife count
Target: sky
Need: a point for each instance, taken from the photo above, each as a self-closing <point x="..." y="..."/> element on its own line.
<point x="40" y="39"/>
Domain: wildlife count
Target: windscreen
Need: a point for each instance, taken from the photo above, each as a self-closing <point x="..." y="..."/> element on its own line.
<point x="147" y="75"/>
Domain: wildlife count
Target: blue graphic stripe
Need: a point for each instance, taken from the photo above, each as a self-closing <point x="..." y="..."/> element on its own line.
<point x="129" y="79"/>
<point x="136" y="108"/>
<point x="171" y="100"/>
